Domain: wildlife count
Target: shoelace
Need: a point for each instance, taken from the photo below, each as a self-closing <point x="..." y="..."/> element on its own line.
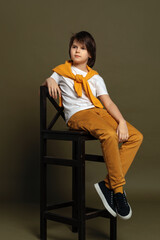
<point x="112" y="197"/>
<point x="125" y="200"/>
<point x="121" y="201"/>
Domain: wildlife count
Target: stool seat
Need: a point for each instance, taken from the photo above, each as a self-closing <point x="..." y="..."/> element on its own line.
<point x="80" y="212"/>
<point x="67" y="134"/>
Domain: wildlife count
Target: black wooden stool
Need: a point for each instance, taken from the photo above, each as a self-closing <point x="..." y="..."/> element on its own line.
<point x="80" y="213"/>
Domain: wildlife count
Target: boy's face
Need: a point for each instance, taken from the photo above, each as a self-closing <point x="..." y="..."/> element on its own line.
<point x="79" y="53"/>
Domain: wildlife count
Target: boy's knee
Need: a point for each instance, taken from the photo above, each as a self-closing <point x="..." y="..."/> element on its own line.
<point x="140" y="137"/>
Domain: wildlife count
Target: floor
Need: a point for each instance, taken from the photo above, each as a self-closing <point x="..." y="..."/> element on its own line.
<point x="21" y="222"/>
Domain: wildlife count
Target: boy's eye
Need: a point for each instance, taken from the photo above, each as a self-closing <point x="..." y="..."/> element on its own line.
<point x="74" y="46"/>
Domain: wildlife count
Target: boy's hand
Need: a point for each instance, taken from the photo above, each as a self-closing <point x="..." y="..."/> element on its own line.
<point x="122" y="131"/>
<point x="53" y="87"/>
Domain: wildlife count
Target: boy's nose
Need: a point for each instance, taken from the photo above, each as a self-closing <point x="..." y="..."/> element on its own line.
<point x="78" y="49"/>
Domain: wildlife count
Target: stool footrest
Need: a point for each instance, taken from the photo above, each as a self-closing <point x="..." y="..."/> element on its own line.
<point x="58" y="218"/>
<point x="60" y="161"/>
<point x="61" y="205"/>
<point x="93" y="212"/>
<point x="89" y="213"/>
<point x="94" y="158"/>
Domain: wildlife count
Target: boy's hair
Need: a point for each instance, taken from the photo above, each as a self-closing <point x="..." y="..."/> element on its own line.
<point x="87" y="39"/>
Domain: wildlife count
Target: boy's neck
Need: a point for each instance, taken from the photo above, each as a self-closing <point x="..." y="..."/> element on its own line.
<point x="82" y="67"/>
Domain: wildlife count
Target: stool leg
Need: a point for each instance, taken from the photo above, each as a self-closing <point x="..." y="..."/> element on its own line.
<point x="81" y="189"/>
<point x="43" y="229"/>
<point x="43" y="192"/>
<point x="74" y="188"/>
<point x="113" y="228"/>
<point x="43" y="149"/>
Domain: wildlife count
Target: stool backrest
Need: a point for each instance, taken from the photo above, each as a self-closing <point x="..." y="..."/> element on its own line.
<point x="44" y="94"/>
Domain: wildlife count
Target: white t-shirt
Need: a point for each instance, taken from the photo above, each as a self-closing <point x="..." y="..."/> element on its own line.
<point x="71" y="102"/>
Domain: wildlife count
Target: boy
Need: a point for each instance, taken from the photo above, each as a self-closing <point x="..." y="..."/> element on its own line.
<point x="82" y="92"/>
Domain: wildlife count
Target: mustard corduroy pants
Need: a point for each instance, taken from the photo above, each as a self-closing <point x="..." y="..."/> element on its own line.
<point x="99" y="123"/>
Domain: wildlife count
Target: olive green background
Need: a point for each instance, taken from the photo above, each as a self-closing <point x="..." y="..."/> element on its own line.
<point x="34" y="39"/>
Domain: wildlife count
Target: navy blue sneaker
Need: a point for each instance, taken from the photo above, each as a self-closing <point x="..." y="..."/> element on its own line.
<point x="123" y="208"/>
<point x="106" y="196"/>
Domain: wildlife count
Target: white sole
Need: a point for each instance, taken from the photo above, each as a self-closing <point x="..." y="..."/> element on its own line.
<point x="126" y="217"/>
<point x="105" y="203"/>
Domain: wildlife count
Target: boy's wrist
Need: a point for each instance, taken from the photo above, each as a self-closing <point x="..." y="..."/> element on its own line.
<point x="122" y="121"/>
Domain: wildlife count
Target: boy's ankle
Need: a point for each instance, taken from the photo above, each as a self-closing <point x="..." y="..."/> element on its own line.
<point x="118" y="190"/>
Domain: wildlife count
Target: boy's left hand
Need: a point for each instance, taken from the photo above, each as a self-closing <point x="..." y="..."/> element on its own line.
<point x="122" y="132"/>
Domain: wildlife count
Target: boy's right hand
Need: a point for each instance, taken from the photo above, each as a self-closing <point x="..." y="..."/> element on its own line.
<point x="53" y="87"/>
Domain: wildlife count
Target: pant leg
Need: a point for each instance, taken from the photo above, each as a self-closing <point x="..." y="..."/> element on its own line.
<point x="91" y="120"/>
<point x="129" y="148"/>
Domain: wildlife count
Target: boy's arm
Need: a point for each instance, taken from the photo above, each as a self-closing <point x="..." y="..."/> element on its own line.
<point x="53" y="87"/>
<point x="111" y="107"/>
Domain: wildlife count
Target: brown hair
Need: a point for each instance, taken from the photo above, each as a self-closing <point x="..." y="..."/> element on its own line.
<point x="87" y="39"/>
